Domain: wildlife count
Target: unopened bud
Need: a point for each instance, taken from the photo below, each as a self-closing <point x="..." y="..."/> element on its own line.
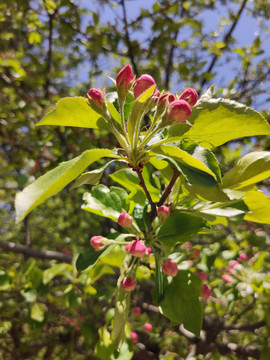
<point x="124" y="81"/>
<point x="97" y="242"/>
<point x="97" y="96"/>
<point x="128" y="284"/>
<point x="142" y="84"/>
<point x="125" y="219"/>
<point x="137" y="248"/>
<point x="170" y="268"/>
<point x="148" y="327"/>
<point x="205" y="291"/>
<point x="179" y="111"/>
<point x="202" y="275"/>
<point x="190" y="96"/>
<point x="163" y="212"/>
<point x="134" y="337"/>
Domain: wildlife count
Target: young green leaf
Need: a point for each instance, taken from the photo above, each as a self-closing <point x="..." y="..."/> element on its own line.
<point x="74" y="112"/>
<point x="106" y="202"/>
<point x="179" y="227"/>
<point x="250" y="169"/>
<point x="259" y="206"/>
<point x="54" y="181"/>
<point x="217" y="121"/>
<point x="181" y="301"/>
<point x="90" y="257"/>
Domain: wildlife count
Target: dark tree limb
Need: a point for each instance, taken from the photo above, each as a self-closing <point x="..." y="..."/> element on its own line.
<point x="241" y="350"/>
<point x="45" y="254"/>
<point x="169" y="188"/>
<point x="226" y="40"/>
<point x="128" y="42"/>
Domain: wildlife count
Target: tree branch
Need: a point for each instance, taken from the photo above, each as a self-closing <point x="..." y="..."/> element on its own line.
<point x="130" y="50"/>
<point x="169" y="64"/>
<point x="46" y="254"/>
<point x="169" y="188"/>
<point x="248" y="350"/>
<point x="245" y="327"/>
<point x="226" y="41"/>
<point x="143" y="185"/>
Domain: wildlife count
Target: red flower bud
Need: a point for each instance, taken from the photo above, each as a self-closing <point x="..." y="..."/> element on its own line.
<point x="170" y="268"/>
<point x="125" y="219"/>
<point x="142" y="84"/>
<point x="190" y="96"/>
<point x="137" y="248"/>
<point x="194" y="253"/>
<point x="97" y="242"/>
<point x="148" y="327"/>
<point x="124" y="78"/>
<point x="137" y="310"/>
<point x="128" y="284"/>
<point x="134" y="337"/>
<point x="163" y="212"/>
<point x="96" y="96"/>
<point x="202" y="275"/>
<point x="205" y="291"/>
<point x="179" y="111"/>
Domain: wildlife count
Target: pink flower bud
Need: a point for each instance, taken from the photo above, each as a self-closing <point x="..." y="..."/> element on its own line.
<point x="142" y="84"/>
<point x="187" y="245"/>
<point x="179" y="111"/>
<point x="149" y="251"/>
<point x="202" y="275"/>
<point x="137" y="310"/>
<point x="194" y="253"/>
<point x="97" y="242"/>
<point x="206" y="291"/>
<point x="137" y="248"/>
<point x="170" y="268"/>
<point x="190" y="263"/>
<point x="134" y="337"/>
<point x="128" y="284"/>
<point x="243" y="256"/>
<point x="234" y="262"/>
<point x="124" y="79"/>
<point x="190" y="96"/>
<point x="227" y="278"/>
<point x="231" y="270"/>
<point x="125" y="219"/>
<point x="163" y="212"/>
<point x="148" y="327"/>
<point x="97" y="96"/>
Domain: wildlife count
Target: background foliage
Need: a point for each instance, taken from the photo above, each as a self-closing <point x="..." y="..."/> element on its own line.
<point x="52" y="49"/>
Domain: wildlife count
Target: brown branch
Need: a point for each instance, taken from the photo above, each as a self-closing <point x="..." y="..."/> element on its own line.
<point x="45" y="254"/>
<point x="225" y="40"/>
<point x="245" y="327"/>
<point x="143" y="185"/>
<point x="230" y="348"/>
<point x="130" y="50"/>
<point x="169" y="64"/>
<point x="169" y="188"/>
<point x="49" y="55"/>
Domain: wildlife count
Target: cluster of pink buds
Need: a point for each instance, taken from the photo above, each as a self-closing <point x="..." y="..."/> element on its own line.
<point x="170" y="268"/>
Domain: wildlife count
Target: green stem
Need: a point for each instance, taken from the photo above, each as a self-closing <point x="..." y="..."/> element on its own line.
<point x="150" y="134"/>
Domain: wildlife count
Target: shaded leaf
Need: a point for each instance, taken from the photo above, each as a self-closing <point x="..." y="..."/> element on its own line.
<point x="90" y="257"/>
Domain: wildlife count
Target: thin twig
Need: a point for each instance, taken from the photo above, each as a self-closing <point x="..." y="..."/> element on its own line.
<point x="46" y="254"/>
<point x="129" y="45"/>
<point x="143" y="185"/>
<point x="225" y="40"/>
<point x="169" y="188"/>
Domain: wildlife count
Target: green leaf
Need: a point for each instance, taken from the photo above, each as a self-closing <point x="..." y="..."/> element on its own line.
<point x="214" y="193"/>
<point x="179" y="227"/>
<point x="250" y="169"/>
<point x="227" y="212"/>
<point x="54" y="181"/>
<point x="55" y="270"/>
<point x="91" y="177"/>
<point x="74" y="112"/>
<point x="122" y="305"/>
<point x="5" y="281"/>
<point x="29" y="294"/>
<point x="259" y="206"/>
<point x="181" y="301"/>
<point x="189" y="160"/>
<point x="37" y="312"/>
<point x="217" y="121"/>
<point x="114" y="113"/>
<point x="106" y="202"/>
<point x="88" y="259"/>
